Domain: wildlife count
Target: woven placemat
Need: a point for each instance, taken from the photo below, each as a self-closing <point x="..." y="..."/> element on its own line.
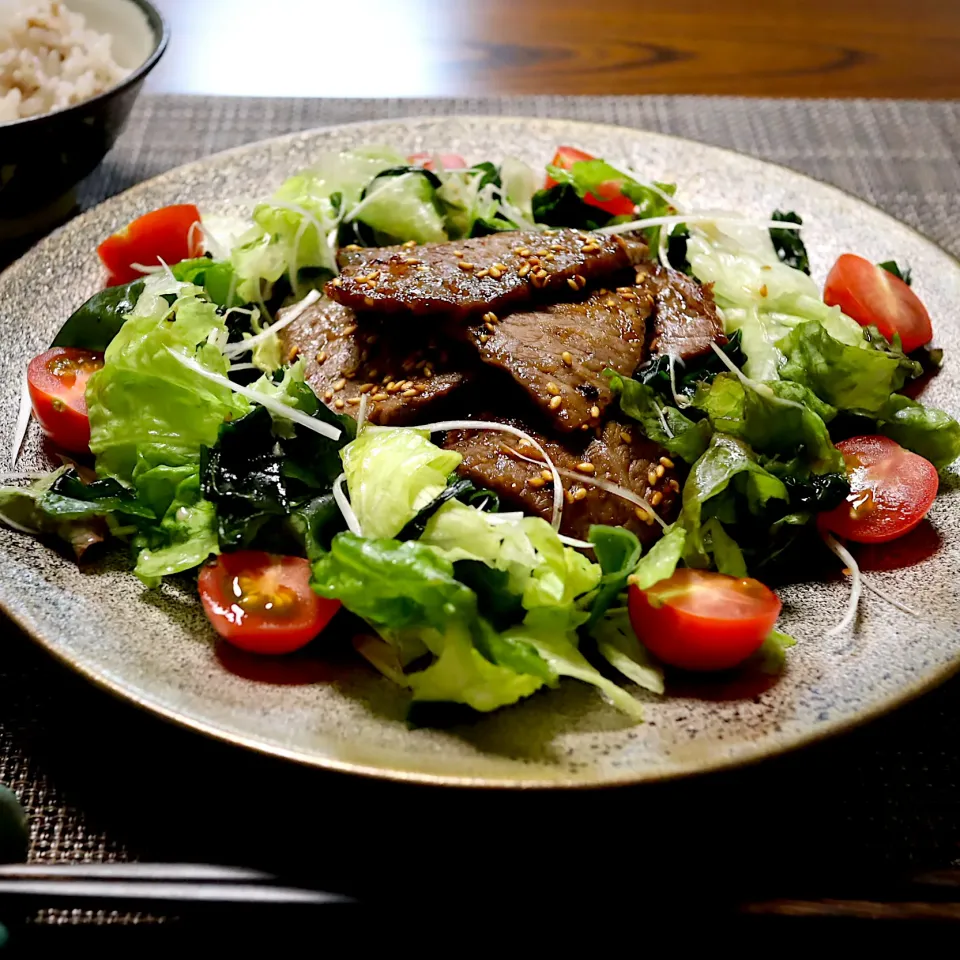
<point x="102" y="781"/>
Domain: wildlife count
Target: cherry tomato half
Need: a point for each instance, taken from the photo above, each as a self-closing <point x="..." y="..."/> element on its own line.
<point x="871" y="295"/>
<point x="57" y="381"/>
<point x="610" y="198"/>
<point x="262" y="602"/>
<point x="699" y="620"/>
<point x="170" y="234"/>
<point x="449" y="161"/>
<point x="891" y="490"/>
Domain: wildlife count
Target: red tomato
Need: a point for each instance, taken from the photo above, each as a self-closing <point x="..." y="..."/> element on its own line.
<point x="698" y="620"/>
<point x="449" y="161"/>
<point x="610" y="198"/>
<point x="871" y="295"/>
<point x="57" y="381"/>
<point x="169" y="234"/>
<point x="262" y="602"/>
<point x="891" y="490"/>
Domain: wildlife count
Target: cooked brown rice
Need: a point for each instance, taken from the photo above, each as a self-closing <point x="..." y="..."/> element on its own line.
<point x="50" y="59"/>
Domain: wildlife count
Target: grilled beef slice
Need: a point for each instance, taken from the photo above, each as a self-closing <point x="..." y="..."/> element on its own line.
<point x="620" y="455"/>
<point x="685" y="318"/>
<point x="499" y="272"/>
<point x="346" y="358"/>
<point x="558" y="353"/>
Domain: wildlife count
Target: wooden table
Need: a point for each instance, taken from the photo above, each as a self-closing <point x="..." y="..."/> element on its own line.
<point x="379" y="48"/>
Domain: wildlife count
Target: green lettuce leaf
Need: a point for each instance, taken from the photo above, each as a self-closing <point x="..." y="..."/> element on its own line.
<point x="391" y="474"/>
<point x="728" y="463"/>
<point x="617" y="550"/>
<point x="924" y="430"/>
<point x="849" y="377"/>
<point x="661" y="560"/>
<point x="150" y="416"/>
<point x="619" y="646"/>
<point x="663" y="424"/>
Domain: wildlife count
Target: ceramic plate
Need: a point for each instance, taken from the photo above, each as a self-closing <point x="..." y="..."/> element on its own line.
<point x="156" y="649"/>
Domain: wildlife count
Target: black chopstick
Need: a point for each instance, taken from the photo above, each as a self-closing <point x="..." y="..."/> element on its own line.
<point x="152" y="882"/>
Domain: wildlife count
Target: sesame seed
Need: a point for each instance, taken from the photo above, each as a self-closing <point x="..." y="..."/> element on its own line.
<point x="353" y="401"/>
<point x="546" y="474"/>
<point x="522" y="251"/>
<point x="490" y="317"/>
<point x="541" y="274"/>
<point x="590" y="247"/>
<point x="352" y="247"/>
<point x="410" y="243"/>
<point x="349" y="331"/>
<point x="674" y="485"/>
<point x="568" y="497"/>
<point x="392" y="387"/>
<point x="655" y="498"/>
<point x="625" y="437"/>
<point x="412" y="261"/>
<point x="423" y="268"/>
<point x="321" y="356"/>
<point x="553" y="389"/>
<point x="557" y="246"/>
<point x="586" y="467"/>
<point x="495" y="273"/>
<point x="661" y="470"/>
<point x="628" y="294"/>
<point x="542" y="253"/>
<point x="766" y="266"/>
<point x="641" y="276"/>
<point x="409" y="393"/>
<point x="763" y="290"/>
<point x="610" y="302"/>
<point x="380" y="396"/>
<point x="572" y="283"/>
<point x="368" y="301"/>
<point x="428" y="372"/>
<point x="555" y="402"/>
<point x="580" y="494"/>
<point x="366" y="387"/>
<point x="536" y="482"/>
<point x="581" y="280"/>
<point x="550" y="257"/>
<point x="350" y="374"/>
<point x="502" y="267"/>
<point x="652" y="478"/>
<point x="340" y="384"/>
<point x="459" y="253"/>
<point x="666" y="462"/>
<point x="292" y="355"/>
<point x="595" y="412"/>
<point x="339" y="404"/>
<point x="484" y="337"/>
<point x="567" y="358"/>
<point x="641" y="513"/>
<point x="490" y="327"/>
<point x="328" y="395"/>
<point x="465" y="266"/>
<point x="482" y="273"/>
<point x="524" y="270"/>
<point x="336" y="282"/>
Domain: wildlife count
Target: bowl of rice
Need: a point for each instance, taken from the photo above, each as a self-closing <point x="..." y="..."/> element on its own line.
<point x="70" y="71"/>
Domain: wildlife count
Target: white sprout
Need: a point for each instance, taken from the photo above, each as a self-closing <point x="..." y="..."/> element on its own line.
<point x="293" y="313"/>
<point x="344" y="504"/>
<point x="275" y="406"/>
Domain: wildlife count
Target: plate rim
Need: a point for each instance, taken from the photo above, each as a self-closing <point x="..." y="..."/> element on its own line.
<point x="684" y="771"/>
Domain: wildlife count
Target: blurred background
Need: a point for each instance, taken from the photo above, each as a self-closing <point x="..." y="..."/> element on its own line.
<point x="413" y="48"/>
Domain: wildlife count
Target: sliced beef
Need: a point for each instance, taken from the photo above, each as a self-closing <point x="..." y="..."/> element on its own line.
<point x="558" y="353"/>
<point x="346" y="357"/>
<point x="685" y="318"/>
<point x="496" y="273"/>
<point x="620" y="455"/>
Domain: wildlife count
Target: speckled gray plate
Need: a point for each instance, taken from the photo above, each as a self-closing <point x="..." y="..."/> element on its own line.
<point x="156" y="649"/>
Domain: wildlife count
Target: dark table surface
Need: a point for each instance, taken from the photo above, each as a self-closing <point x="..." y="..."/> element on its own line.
<point x="851" y="818"/>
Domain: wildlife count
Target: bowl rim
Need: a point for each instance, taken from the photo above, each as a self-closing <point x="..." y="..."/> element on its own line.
<point x="161" y="38"/>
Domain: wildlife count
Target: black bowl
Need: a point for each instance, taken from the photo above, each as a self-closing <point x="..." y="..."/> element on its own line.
<point x="43" y="158"/>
